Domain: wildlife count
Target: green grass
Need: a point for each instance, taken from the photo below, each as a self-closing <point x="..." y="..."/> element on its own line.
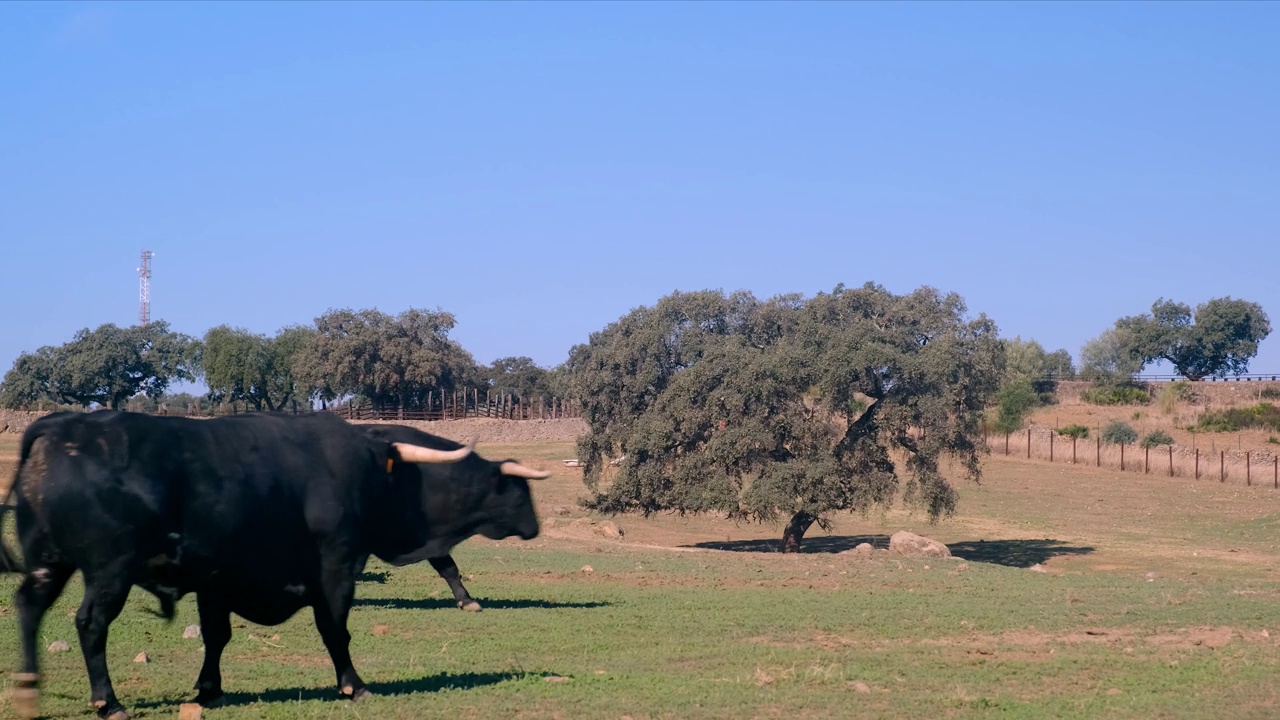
<point x="659" y="632"/>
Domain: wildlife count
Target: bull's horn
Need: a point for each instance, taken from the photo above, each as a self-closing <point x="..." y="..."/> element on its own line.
<point x="419" y="454"/>
<point x="518" y="470"/>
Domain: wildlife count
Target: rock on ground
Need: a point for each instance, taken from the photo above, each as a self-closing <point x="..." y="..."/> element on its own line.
<point x="191" y="633"/>
<point x="609" y="529"/>
<point x="59" y="646"/>
<point x="141" y="658"/>
<point x="912" y="545"/>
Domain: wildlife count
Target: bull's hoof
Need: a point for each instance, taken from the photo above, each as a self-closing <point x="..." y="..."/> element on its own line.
<point x="26" y="695"/>
<point x="470" y="606"/>
<point x="209" y="700"/>
<point x="356" y="694"/>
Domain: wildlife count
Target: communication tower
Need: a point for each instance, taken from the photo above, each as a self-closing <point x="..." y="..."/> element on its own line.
<point x="144" y="287"/>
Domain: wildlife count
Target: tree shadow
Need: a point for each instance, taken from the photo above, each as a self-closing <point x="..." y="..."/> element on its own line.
<point x="373" y="577"/>
<point x="1014" y="553"/>
<point x="441" y="603"/>
<point x="394" y="688"/>
<point x="814" y="544"/>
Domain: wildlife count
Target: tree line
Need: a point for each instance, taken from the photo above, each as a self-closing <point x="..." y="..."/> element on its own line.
<point x="390" y="361"/>
<point x="790" y="408"/>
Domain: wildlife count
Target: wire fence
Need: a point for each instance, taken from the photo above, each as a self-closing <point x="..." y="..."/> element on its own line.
<point x="1248" y="466"/>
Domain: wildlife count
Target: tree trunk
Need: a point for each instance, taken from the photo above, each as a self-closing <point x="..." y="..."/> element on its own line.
<point x="795" y="531"/>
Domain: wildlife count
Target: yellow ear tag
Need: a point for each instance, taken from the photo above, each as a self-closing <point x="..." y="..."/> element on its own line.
<point x="389" y="461"/>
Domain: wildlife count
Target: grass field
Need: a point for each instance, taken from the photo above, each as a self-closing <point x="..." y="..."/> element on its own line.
<point x="1158" y="599"/>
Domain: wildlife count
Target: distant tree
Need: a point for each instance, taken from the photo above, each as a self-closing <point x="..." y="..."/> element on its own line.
<point x="394" y="361"/>
<point x="240" y="366"/>
<point x="1028" y="363"/>
<point x="1058" y="365"/>
<point x="785" y="408"/>
<point x="1110" y="358"/>
<point x="1218" y="340"/>
<point x="106" y="367"/>
<point x="28" y="381"/>
<point x="519" y="377"/>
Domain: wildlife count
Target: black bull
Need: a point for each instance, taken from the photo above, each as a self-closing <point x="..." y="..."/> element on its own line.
<point x="258" y="515"/>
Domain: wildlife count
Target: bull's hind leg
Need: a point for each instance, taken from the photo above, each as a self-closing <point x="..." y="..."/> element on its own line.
<point x="215" y="627"/>
<point x="39" y="590"/>
<point x="448" y="569"/>
<point x="104" y="598"/>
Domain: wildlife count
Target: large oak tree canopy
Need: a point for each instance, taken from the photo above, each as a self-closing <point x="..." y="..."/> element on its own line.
<point x="786" y="407"/>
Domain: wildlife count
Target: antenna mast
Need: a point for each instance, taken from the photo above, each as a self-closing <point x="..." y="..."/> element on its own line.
<point x="144" y="287"/>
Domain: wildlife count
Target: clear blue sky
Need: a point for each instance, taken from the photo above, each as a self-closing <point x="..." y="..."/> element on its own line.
<point x="541" y="169"/>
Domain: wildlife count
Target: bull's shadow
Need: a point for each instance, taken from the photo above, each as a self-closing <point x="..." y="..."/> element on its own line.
<point x="487" y="604"/>
<point x="1011" y="553"/>
<point x="394" y="688"/>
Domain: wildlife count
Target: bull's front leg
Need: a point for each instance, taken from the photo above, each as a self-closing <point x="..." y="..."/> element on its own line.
<point x="215" y="628"/>
<point x="332" y="608"/>
<point x="448" y="570"/>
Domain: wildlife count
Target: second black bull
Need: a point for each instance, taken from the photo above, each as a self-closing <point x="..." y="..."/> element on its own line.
<point x="445" y="488"/>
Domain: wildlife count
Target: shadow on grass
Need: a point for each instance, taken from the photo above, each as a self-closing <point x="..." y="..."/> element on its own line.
<point x="440" y="603"/>
<point x="394" y="688"/>
<point x="813" y="544"/>
<point x="373" y="577"/>
<point x="1012" y="553"/>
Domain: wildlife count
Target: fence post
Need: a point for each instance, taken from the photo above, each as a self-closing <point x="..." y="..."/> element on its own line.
<point x="1050" y="447"/>
<point x="1073" y="449"/>
<point x="1275" y="470"/>
<point x="1146" y="461"/>
<point x="1122" y="457"/>
<point x="1099" y="452"/>
<point x="1197" y="463"/>
<point x="1170" y="461"/>
<point x="1028" y="443"/>
<point x="1222" y="466"/>
<point x="1248" y="474"/>
<point x="1006" y="444"/>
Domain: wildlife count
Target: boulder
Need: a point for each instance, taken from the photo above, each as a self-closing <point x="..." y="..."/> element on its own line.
<point x="911" y="545"/>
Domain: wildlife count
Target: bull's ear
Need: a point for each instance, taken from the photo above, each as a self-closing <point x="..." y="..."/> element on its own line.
<point x="418" y="454"/>
<point x="511" y="467"/>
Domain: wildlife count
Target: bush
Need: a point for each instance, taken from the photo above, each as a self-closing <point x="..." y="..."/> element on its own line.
<point x="1271" y="393"/>
<point x="1174" y="393"/>
<point x="1274" y="440"/>
<point x="1119" y="432"/>
<point x="1014" y="402"/>
<point x="1078" y="432"/>
<point x="1262" y="415"/>
<point x="1115" y="395"/>
<point x="1157" y="438"/>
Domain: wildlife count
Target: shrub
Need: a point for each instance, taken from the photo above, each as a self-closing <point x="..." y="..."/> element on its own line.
<point x="1156" y="438"/>
<point x="1078" y="432"/>
<point x="1119" y="432"/>
<point x="1262" y="415"/>
<point x="1271" y="393"/>
<point x="1115" y="395"/>
<point x="1014" y="402"/>
<point x="1174" y="393"/>
<point x="1274" y="440"/>
<point x="1137" y="414"/>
